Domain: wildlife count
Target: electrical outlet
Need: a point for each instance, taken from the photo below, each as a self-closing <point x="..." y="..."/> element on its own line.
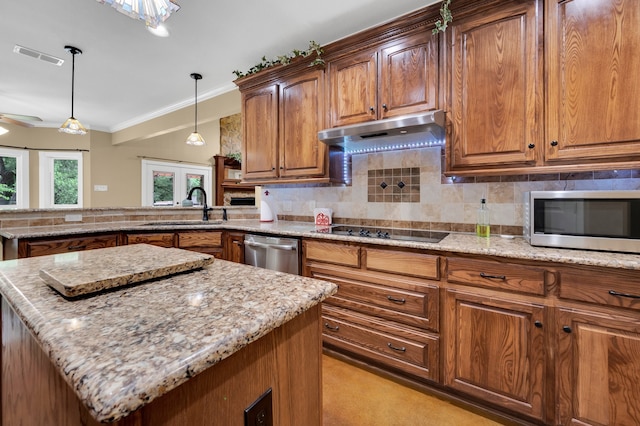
<point x="287" y="206"/>
<point x="260" y="412"/>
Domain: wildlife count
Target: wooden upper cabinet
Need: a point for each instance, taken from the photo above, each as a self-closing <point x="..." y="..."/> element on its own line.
<point x="260" y="127"/>
<point x="396" y="78"/>
<point x="496" y="84"/>
<point x="409" y="75"/>
<point x="353" y="92"/>
<point x="301" y="154"/>
<point x="593" y="64"/>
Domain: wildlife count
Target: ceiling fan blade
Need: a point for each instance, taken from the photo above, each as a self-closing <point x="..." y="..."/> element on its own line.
<point x="18" y="119"/>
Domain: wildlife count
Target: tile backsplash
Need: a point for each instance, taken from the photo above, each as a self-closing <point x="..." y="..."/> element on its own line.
<point x="428" y="199"/>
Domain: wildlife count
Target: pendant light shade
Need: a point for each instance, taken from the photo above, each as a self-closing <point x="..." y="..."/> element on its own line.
<point x="73" y="126"/>
<point x="196" y="138"/>
<point x="153" y="12"/>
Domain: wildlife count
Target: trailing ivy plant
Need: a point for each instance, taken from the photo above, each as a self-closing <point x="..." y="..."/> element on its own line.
<point x="445" y="14"/>
<point x="285" y="59"/>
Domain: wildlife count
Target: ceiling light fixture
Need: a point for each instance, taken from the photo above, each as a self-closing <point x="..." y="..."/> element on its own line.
<point x="153" y="12"/>
<point x="3" y="131"/>
<point x="73" y="126"/>
<point x="195" y="138"/>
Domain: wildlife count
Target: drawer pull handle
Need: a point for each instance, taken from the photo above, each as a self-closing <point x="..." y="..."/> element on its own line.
<point x="631" y="296"/>
<point x="330" y="327"/>
<point x="402" y="349"/>
<point x="566" y="329"/>
<point x="396" y="300"/>
<point x="493" y="277"/>
<point x="76" y="247"/>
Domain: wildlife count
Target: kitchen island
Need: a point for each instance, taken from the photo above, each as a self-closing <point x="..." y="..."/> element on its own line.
<point x="191" y="348"/>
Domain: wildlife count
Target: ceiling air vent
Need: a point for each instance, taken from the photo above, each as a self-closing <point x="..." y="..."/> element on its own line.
<point x="37" y="55"/>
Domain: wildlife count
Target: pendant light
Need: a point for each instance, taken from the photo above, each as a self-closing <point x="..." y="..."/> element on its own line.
<point x="195" y="138"/>
<point x="73" y="126"/>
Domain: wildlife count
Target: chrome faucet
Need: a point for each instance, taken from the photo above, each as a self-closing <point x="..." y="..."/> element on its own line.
<point x="205" y="209"/>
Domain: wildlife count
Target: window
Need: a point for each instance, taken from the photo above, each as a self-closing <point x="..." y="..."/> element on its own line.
<point x="14" y="178"/>
<point x="167" y="184"/>
<point x="60" y="179"/>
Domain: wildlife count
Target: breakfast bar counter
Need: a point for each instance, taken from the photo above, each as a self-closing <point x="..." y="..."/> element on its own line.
<point x="170" y="350"/>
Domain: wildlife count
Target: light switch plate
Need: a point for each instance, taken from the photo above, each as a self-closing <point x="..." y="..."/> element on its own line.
<point x="286" y="206"/>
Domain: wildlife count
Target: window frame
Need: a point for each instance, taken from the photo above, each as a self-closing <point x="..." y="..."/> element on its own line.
<point x="22" y="177"/>
<point x="181" y="170"/>
<point x="46" y="187"/>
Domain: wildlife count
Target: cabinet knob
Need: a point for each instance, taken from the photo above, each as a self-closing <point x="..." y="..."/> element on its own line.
<point x="372" y="109"/>
<point x="531" y="145"/>
<point x="566" y="329"/>
<point x="273" y="168"/>
<point x="384" y="107"/>
<point x="554" y="143"/>
<point x="281" y="167"/>
<point x="538" y="324"/>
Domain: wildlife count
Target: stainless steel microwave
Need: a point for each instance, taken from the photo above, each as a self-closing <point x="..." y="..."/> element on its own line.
<point x="592" y="220"/>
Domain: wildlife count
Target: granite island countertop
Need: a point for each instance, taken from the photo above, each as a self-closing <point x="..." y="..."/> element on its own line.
<point x="121" y="349"/>
<point x="514" y="248"/>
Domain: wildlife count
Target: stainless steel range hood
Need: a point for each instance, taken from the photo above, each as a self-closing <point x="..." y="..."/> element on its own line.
<point x="424" y="127"/>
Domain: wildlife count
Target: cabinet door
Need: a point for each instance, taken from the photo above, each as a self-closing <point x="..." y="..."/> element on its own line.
<point x="353" y="88"/>
<point x="409" y="75"/>
<point x="161" y="239"/>
<point x="495" y="351"/>
<point x="598" y="369"/>
<point x="65" y="245"/>
<point x="260" y="126"/>
<point x="496" y="88"/>
<point x="593" y="85"/>
<point x="301" y="118"/>
<point x="234" y="247"/>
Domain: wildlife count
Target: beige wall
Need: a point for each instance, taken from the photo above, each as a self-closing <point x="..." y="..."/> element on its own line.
<point x="118" y="165"/>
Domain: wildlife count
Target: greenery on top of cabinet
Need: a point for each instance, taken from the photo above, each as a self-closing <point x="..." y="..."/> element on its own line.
<point x="445" y="13"/>
<point x="285" y="59"/>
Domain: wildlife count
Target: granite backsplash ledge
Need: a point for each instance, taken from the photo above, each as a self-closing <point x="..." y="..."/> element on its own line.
<point x="52" y="217"/>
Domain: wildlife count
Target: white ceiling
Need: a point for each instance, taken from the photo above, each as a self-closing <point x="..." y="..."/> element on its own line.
<point x="126" y="75"/>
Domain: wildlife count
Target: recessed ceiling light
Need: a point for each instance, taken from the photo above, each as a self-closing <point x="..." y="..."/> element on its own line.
<point x="37" y="55"/>
<point x="3" y="130"/>
<point x="160" y="30"/>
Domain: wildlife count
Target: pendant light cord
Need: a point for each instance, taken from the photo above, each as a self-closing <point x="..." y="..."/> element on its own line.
<point x="196" y="104"/>
<point x="73" y="78"/>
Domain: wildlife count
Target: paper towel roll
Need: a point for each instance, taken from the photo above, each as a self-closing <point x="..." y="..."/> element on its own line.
<point x="266" y="214"/>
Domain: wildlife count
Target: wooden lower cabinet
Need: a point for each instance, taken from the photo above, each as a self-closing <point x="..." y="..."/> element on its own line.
<point x="209" y="242"/>
<point x="598" y="368"/>
<point x="495" y="350"/>
<point x="234" y="246"/>
<point x="46" y="246"/>
<point x="403" y="348"/>
<point x="160" y="239"/>
<point x="384" y="310"/>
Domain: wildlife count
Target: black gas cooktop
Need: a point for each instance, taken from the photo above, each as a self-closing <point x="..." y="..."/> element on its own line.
<point x="386" y="233"/>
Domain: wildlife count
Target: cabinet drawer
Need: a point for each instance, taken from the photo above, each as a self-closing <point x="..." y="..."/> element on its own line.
<point x="340" y="254"/>
<point x="65" y="245"/>
<point x="199" y="239"/>
<point x="619" y="288"/>
<point x="160" y="239"/>
<point x="405" y="263"/>
<point x="409" y="350"/>
<point x="502" y="276"/>
<point x="395" y="299"/>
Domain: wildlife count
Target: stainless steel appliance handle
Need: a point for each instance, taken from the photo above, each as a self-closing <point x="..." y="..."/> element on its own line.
<point x="274" y="246"/>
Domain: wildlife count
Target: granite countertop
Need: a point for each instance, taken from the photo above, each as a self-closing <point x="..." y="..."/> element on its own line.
<point x="514" y="248"/>
<point x="118" y="354"/>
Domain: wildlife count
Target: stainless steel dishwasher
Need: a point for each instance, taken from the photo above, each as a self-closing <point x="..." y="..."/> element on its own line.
<point x="275" y="253"/>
